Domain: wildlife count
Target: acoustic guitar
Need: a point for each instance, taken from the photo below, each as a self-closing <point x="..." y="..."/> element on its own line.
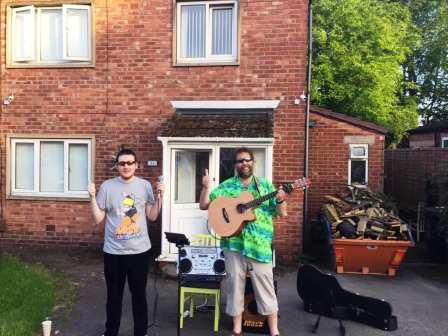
<point x="227" y="215"/>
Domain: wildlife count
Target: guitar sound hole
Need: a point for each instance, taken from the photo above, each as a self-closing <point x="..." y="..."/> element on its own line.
<point x="241" y="208"/>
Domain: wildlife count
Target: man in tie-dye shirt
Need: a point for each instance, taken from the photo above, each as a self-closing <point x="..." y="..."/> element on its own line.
<point x="251" y="250"/>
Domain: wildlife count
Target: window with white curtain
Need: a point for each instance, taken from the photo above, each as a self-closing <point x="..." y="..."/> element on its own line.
<point x="206" y="31"/>
<point x="358" y="164"/>
<point x="50" y="167"/>
<point x="46" y="35"/>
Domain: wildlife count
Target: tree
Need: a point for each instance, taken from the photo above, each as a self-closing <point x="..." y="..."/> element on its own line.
<point x="358" y="49"/>
<point x="427" y="66"/>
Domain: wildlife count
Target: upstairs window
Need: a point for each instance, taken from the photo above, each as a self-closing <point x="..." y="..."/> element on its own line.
<point x="55" y="35"/>
<point x="358" y="164"/>
<point x="206" y="32"/>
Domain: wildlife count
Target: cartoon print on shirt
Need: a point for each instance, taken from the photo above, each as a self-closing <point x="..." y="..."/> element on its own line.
<point x="128" y="227"/>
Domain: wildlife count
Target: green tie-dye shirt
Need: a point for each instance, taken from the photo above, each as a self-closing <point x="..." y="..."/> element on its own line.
<point x="255" y="240"/>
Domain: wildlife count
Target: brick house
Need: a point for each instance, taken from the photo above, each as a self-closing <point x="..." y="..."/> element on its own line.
<point x="343" y="150"/>
<point x="433" y="134"/>
<point x="82" y="78"/>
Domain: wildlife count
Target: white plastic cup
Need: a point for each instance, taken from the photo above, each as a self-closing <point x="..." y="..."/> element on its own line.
<point x="46" y="328"/>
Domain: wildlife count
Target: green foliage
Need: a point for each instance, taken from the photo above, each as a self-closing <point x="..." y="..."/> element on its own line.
<point x="427" y="67"/>
<point x="358" y="49"/>
<point x="26" y="297"/>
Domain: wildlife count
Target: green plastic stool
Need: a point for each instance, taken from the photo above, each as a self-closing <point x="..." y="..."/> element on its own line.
<point x="185" y="290"/>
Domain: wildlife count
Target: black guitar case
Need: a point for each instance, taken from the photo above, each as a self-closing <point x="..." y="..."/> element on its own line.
<point x="323" y="295"/>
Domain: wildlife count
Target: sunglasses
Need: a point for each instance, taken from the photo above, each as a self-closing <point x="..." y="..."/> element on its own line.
<point x="243" y="160"/>
<point x="125" y="163"/>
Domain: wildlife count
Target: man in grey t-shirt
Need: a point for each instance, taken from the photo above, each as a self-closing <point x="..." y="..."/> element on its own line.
<point x="125" y="202"/>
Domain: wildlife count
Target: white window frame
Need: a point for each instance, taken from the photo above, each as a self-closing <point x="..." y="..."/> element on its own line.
<point x="35" y="45"/>
<point x="364" y="157"/>
<point x="65" y="8"/>
<point x="209" y="58"/>
<point x="12" y="26"/>
<point x="35" y="192"/>
<point x="444" y="139"/>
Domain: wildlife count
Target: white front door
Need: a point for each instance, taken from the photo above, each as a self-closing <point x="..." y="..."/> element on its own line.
<point x="184" y="163"/>
<point x="187" y="170"/>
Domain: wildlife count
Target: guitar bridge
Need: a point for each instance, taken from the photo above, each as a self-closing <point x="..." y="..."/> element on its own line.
<point x="225" y="215"/>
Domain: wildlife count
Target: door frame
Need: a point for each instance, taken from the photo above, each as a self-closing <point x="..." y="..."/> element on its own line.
<point x="170" y="143"/>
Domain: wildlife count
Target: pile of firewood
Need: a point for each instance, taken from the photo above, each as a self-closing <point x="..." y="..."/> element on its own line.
<point x="360" y="213"/>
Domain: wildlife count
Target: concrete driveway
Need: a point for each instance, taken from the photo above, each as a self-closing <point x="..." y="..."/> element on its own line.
<point x="418" y="294"/>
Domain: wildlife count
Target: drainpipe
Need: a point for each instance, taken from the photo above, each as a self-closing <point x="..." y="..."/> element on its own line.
<point x="2" y="222"/>
<point x="2" y="204"/>
<point x="306" y="228"/>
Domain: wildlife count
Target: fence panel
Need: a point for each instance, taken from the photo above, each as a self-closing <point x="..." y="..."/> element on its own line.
<point x="416" y="175"/>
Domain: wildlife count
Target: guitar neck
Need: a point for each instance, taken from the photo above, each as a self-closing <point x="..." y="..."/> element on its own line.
<point x="286" y="187"/>
<point x="256" y="202"/>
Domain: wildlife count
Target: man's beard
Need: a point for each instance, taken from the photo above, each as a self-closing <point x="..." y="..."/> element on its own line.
<point x="245" y="174"/>
<point x="127" y="178"/>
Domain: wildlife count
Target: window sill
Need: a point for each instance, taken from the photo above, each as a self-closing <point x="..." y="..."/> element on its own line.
<point x="49" y="198"/>
<point x="202" y="64"/>
<point x="49" y="66"/>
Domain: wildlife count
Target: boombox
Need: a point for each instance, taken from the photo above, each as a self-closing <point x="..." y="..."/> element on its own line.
<point x="201" y="263"/>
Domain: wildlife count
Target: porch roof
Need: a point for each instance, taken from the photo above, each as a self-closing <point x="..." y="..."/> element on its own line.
<point x="230" y="124"/>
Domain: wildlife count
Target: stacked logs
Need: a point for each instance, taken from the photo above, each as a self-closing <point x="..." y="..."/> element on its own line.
<point x="360" y="213"/>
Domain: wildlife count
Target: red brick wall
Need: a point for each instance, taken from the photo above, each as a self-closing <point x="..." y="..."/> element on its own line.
<point x="407" y="171"/>
<point x="328" y="165"/>
<point x="422" y="140"/>
<point x="426" y="139"/>
<point x="125" y="100"/>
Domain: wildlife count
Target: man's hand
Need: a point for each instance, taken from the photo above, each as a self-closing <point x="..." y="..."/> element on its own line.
<point x="91" y="189"/>
<point x="160" y="189"/>
<point x="281" y="195"/>
<point x="281" y="204"/>
<point x="207" y="185"/>
<point x="98" y="214"/>
<point x="153" y="210"/>
<point x="207" y="181"/>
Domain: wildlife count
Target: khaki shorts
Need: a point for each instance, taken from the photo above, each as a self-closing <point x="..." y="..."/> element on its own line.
<point x="261" y="275"/>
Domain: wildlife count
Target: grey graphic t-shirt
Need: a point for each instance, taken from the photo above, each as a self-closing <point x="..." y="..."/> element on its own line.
<point x="125" y="231"/>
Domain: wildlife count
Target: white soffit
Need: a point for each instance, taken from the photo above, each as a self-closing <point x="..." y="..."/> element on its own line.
<point x="225" y="104"/>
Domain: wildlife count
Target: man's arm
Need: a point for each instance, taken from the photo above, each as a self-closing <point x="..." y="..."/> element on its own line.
<point x="281" y="195"/>
<point x="98" y="214"/>
<point x="153" y="210"/>
<point x="282" y="209"/>
<point x="204" y="198"/>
